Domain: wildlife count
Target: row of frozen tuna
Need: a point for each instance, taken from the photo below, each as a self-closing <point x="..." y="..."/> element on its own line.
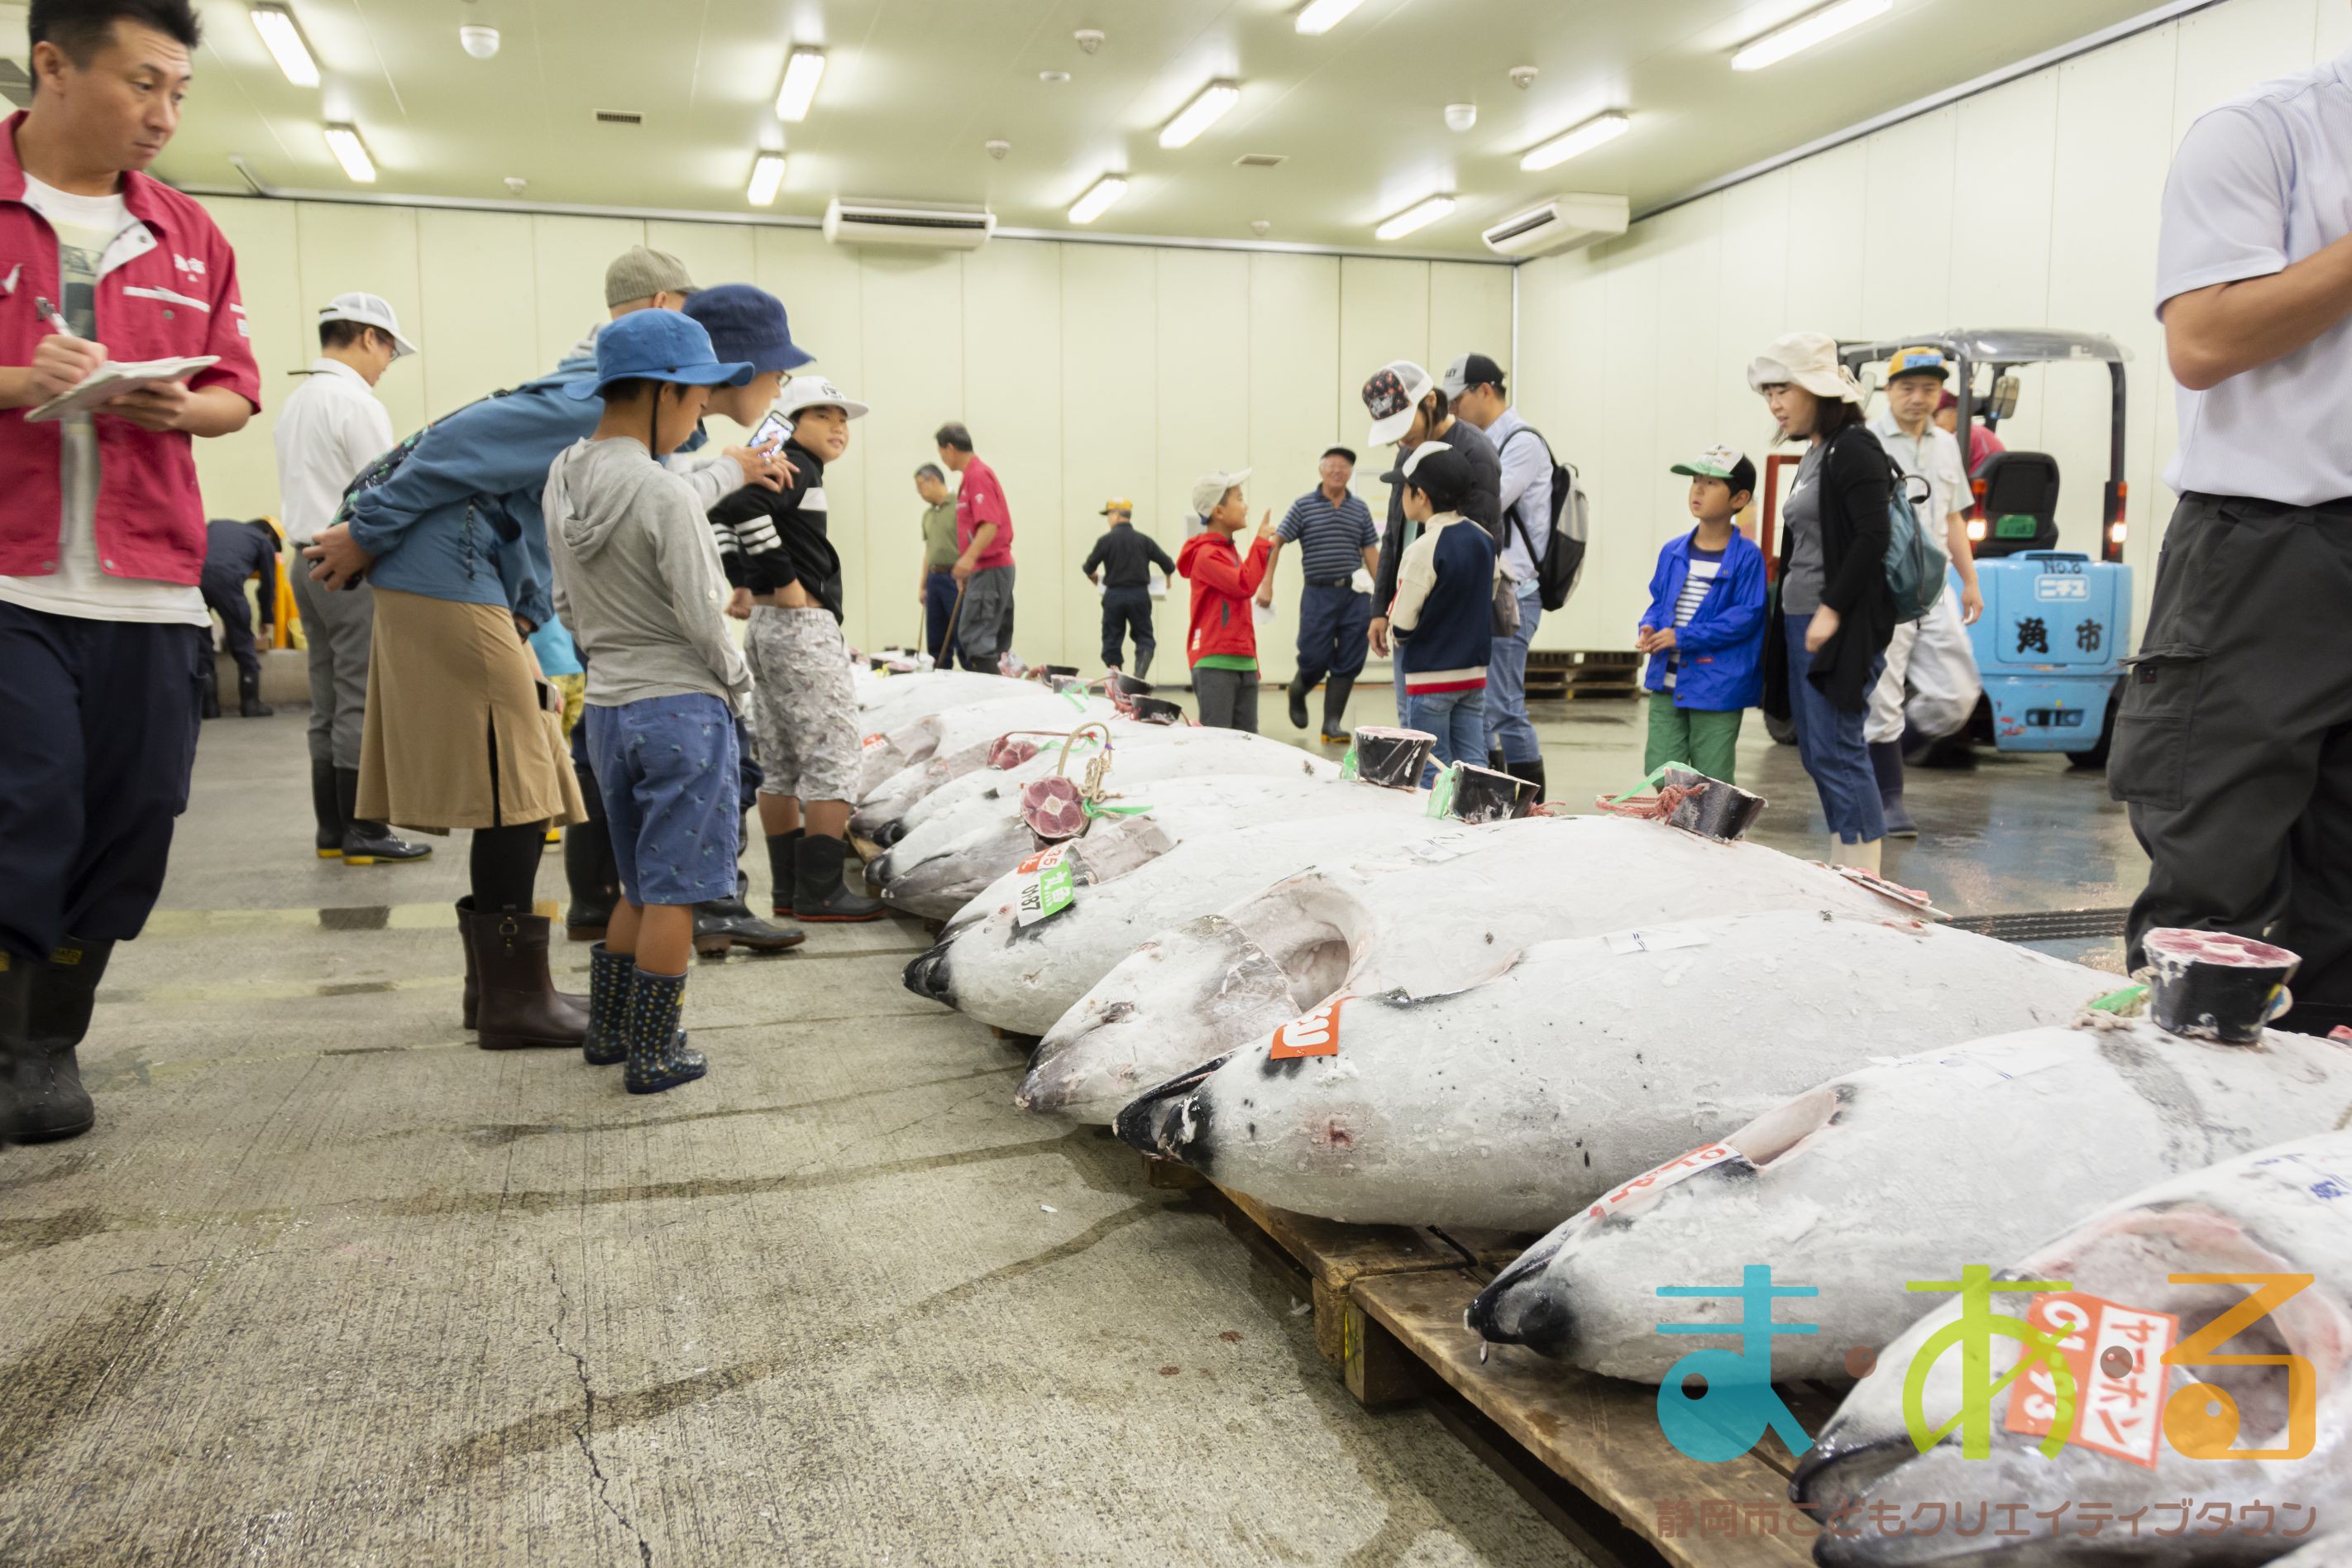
<point x="1701" y="1055"/>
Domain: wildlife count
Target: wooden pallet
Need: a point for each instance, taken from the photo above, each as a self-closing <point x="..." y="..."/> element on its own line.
<point x="1563" y="676"/>
<point x="1389" y="1303"/>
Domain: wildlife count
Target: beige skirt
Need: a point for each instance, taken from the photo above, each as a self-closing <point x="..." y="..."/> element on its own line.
<point x="456" y="734"/>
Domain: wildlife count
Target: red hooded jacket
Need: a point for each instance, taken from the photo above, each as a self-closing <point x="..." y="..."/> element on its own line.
<point x="1223" y="584"/>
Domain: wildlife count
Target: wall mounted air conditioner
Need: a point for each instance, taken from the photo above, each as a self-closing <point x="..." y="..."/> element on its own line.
<point x="1560" y="224"/>
<point x="852" y="222"/>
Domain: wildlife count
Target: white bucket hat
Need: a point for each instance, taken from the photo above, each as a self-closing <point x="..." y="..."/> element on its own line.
<point x="369" y="311"/>
<point x="816" y="392"/>
<point x="1809" y="359"/>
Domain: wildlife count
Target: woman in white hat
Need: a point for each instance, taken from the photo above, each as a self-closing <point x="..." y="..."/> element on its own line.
<point x="1828" y="640"/>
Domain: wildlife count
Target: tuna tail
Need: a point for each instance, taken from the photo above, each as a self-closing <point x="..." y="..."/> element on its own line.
<point x="1521" y="1308"/>
<point x="927" y="975"/>
<point x="1169" y="1120"/>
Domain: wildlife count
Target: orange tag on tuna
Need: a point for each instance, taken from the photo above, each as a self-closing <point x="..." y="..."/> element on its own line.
<point x="2116" y="1356"/>
<point x="1315" y="1034"/>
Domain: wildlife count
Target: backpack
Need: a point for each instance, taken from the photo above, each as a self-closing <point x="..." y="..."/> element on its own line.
<point x="1914" y="562"/>
<point x="1562" y="562"/>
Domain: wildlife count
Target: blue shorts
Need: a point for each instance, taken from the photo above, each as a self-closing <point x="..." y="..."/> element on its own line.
<point x="666" y="768"/>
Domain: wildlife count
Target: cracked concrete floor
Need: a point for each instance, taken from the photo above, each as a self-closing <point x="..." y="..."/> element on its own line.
<point x="327" y="1285"/>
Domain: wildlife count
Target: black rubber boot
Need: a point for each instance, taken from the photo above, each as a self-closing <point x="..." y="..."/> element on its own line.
<point x="588" y="871"/>
<point x="366" y="842"/>
<point x="1886" y="762"/>
<point x="1298" y="690"/>
<point x="208" y="685"/>
<point x="16" y="978"/>
<point x="1531" y="771"/>
<point x="658" y="1059"/>
<point x="328" y="808"/>
<point x="1335" y="709"/>
<point x="818" y="892"/>
<point x="50" y="1100"/>
<point x="1142" y="670"/>
<point x="784" y="854"/>
<point x="249" y="704"/>
<point x="723" y="923"/>
<point x="611" y="976"/>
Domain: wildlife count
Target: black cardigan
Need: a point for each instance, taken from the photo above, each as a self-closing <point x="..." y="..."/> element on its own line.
<point x="1858" y="487"/>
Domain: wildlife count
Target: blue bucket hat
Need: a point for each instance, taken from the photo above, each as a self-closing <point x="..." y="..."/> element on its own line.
<point x="749" y="323"/>
<point x="657" y="345"/>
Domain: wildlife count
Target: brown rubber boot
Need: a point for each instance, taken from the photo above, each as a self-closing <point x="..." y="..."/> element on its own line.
<point x="519" y="1007"/>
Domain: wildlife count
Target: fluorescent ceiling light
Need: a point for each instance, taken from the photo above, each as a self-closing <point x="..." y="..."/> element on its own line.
<point x="1322" y="16"/>
<point x="343" y="141"/>
<point x="1421" y="214"/>
<point x="284" y="41"/>
<point x="1099" y="198"/>
<point x="1806" y="31"/>
<point x="802" y="71"/>
<point x="1596" y="131"/>
<point x="767" y="178"/>
<point x="1199" y="114"/>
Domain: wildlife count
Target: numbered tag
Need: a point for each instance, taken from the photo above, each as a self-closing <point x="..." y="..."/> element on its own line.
<point x="1048" y="885"/>
<point x="1315" y="1034"/>
<point x="2117" y="1354"/>
<point x="1665" y="1176"/>
<point x="873" y="741"/>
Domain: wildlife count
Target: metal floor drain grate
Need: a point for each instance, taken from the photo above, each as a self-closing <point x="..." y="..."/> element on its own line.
<point x="2047" y="925"/>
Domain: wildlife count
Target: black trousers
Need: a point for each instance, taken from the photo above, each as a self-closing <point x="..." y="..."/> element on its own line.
<point x="100" y="721"/>
<point x="1127" y="610"/>
<point x="2233" y="741"/>
<point x="226" y="598"/>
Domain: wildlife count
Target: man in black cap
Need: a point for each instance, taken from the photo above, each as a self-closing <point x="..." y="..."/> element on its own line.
<point x="1475" y="385"/>
<point x="1339" y="545"/>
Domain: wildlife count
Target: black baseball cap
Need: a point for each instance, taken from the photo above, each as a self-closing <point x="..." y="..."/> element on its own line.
<point x="1338" y="452"/>
<point x="1469" y="371"/>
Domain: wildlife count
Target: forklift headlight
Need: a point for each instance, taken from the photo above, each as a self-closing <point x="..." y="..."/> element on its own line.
<point x="1976" y="531"/>
<point x="2115" y="532"/>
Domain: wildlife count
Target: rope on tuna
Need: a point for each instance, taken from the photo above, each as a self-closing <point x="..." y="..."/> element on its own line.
<point x="1058" y="808"/>
<point x="1660" y="802"/>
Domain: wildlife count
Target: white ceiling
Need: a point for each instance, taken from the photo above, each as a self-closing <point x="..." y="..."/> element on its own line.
<point x="915" y="88"/>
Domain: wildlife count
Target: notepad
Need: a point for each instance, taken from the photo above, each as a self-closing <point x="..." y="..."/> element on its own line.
<point x="114" y="378"/>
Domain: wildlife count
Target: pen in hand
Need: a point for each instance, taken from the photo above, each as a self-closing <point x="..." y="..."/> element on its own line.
<point x="49" y="314"/>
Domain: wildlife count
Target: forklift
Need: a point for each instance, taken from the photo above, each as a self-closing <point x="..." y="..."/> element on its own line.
<point x="2056" y="627"/>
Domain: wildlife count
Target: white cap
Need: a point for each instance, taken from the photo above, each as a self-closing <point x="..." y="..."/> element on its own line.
<point x="816" y="392"/>
<point x="1210" y="488"/>
<point x="1395" y="390"/>
<point x="368" y="310"/>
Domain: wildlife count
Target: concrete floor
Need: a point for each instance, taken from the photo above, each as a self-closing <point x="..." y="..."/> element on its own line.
<point x="329" y="1285"/>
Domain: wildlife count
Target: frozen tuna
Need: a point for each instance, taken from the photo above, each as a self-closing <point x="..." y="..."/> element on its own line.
<point x="887" y="703"/>
<point x="1003" y="965"/>
<point x="1447" y="915"/>
<point x="914" y="759"/>
<point x="1526" y="1097"/>
<point x="1141" y="753"/>
<point x="2148" y="1441"/>
<point x="1903" y="1171"/>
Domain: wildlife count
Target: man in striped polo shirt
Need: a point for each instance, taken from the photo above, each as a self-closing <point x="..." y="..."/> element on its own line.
<point x="1336" y="537"/>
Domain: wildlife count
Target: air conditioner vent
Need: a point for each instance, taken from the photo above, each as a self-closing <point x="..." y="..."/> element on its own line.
<point x="851" y="222"/>
<point x="1560" y="224"/>
<point x="1259" y="160"/>
<point x="619" y="117"/>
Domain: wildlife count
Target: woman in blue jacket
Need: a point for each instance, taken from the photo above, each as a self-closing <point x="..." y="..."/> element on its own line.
<point x="1703" y="630"/>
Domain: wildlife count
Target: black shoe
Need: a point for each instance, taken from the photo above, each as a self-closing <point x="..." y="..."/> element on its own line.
<point x="782" y="857"/>
<point x="588" y="872"/>
<point x="1531" y="771"/>
<point x="723" y="923"/>
<point x="57" y="998"/>
<point x="1298" y="704"/>
<point x="326" y="806"/>
<point x="208" y="685"/>
<point x="818" y="892"/>
<point x="1887" y="763"/>
<point x="249" y="704"/>
<point x="366" y="842"/>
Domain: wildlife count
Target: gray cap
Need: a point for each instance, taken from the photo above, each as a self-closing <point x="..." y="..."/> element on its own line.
<point x="1210" y="488"/>
<point x="641" y="273"/>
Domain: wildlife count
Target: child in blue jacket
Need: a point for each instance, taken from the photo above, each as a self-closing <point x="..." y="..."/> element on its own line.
<point x="1703" y="630"/>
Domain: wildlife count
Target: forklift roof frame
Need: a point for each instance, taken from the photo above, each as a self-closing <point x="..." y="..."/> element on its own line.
<point x="2005" y="348"/>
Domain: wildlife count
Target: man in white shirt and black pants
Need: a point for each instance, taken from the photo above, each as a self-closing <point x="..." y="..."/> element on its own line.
<point x="2234" y="743"/>
<point x="330" y="429"/>
<point x="1475" y="383"/>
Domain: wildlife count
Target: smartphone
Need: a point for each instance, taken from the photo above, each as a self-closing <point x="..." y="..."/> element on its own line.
<point x="772" y="431"/>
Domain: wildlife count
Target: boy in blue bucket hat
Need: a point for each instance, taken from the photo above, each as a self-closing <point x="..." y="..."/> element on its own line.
<point x="638" y="580"/>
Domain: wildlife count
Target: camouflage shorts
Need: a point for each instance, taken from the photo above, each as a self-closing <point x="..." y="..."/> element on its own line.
<point x="805" y="716"/>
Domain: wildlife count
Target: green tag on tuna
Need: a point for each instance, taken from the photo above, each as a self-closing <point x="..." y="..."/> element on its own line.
<point x="1441" y="794"/>
<point x="1048" y="885"/>
<point x="1348" y="769"/>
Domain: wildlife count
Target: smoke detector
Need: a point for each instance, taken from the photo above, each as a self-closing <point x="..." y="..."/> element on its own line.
<point x="479" y="42"/>
<point x="1461" y="116"/>
<point x="1523" y="77"/>
<point x="1259" y="226"/>
<point x="997" y="147"/>
<point x="516" y="184"/>
<point x="1088" y="38"/>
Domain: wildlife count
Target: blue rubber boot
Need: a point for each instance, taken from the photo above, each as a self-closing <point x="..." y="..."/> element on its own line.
<point x="658" y="1059"/>
<point x="611" y="977"/>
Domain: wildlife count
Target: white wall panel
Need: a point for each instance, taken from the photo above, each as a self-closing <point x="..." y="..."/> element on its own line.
<point x="1014" y="320"/>
<point x="1292" y="332"/>
<point x="1908" y="251"/>
<point x="2230" y="49"/>
<point x="713" y="252"/>
<point x="1383" y="316"/>
<point x="569" y="256"/>
<point x="1199" y="400"/>
<point x="1566" y="393"/>
<point x="1753" y="256"/>
<point x="1687" y="332"/>
<point x="472" y="267"/>
<point x="2001" y="277"/>
<point x="1109" y="337"/>
<point x="2334" y="32"/>
<point x="238" y="475"/>
<point x="911" y="348"/>
<point x="1469" y="312"/>
<point x="1828" y="224"/>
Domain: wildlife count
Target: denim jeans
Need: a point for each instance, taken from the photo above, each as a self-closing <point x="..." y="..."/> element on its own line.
<point x="1507" y="727"/>
<point x="1829" y="740"/>
<point x="1458" y="719"/>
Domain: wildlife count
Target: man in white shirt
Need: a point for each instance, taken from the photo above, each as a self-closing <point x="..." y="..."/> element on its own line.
<point x="330" y="429"/>
<point x="1931" y="684"/>
<point x="2234" y="743"/>
<point x="1475" y="383"/>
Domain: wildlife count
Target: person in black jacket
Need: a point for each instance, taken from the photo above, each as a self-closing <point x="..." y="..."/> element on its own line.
<point x="1835" y="613"/>
<point x="1121" y="561"/>
<point x="234" y="554"/>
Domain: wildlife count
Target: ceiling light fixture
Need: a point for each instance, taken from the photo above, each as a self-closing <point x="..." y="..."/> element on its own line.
<point x="1322" y="16"/>
<point x="1596" y="131"/>
<point x="283" y="40"/>
<point x="767" y="179"/>
<point x="1199" y="114"/>
<point x="802" y="71"/>
<point x="1806" y="31"/>
<point x="1419" y="216"/>
<point x="1053" y="78"/>
<point x="1100" y="197"/>
<point x="343" y="141"/>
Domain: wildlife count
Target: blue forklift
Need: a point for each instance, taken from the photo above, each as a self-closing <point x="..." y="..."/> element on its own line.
<point x="2057" y="624"/>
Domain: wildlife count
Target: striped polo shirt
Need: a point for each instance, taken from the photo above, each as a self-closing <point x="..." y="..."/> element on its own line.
<point x="1335" y="537"/>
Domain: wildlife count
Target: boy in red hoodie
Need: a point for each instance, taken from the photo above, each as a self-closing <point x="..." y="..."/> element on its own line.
<point x="1224" y="645"/>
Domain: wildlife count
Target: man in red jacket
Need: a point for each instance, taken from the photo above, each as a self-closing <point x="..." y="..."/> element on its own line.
<point x="1224" y="644"/>
<point x="101" y="529"/>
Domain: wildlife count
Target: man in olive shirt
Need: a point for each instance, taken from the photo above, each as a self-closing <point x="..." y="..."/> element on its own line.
<point x="937" y="590"/>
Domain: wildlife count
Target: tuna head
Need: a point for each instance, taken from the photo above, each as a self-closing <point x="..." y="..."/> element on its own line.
<point x="927" y="974"/>
<point x="2270" y="1214"/>
<point x="936" y="885"/>
<point x="1169" y="1120"/>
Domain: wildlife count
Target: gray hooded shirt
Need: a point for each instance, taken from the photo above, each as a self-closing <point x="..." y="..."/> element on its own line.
<point x="638" y="578"/>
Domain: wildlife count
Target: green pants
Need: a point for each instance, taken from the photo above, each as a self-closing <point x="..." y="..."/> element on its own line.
<point x="1707" y="742"/>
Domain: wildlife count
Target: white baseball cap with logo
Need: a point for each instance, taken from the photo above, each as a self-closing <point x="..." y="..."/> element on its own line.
<point x="368" y="310"/>
<point x="1395" y="390"/>
<point x="816" y="391"/>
